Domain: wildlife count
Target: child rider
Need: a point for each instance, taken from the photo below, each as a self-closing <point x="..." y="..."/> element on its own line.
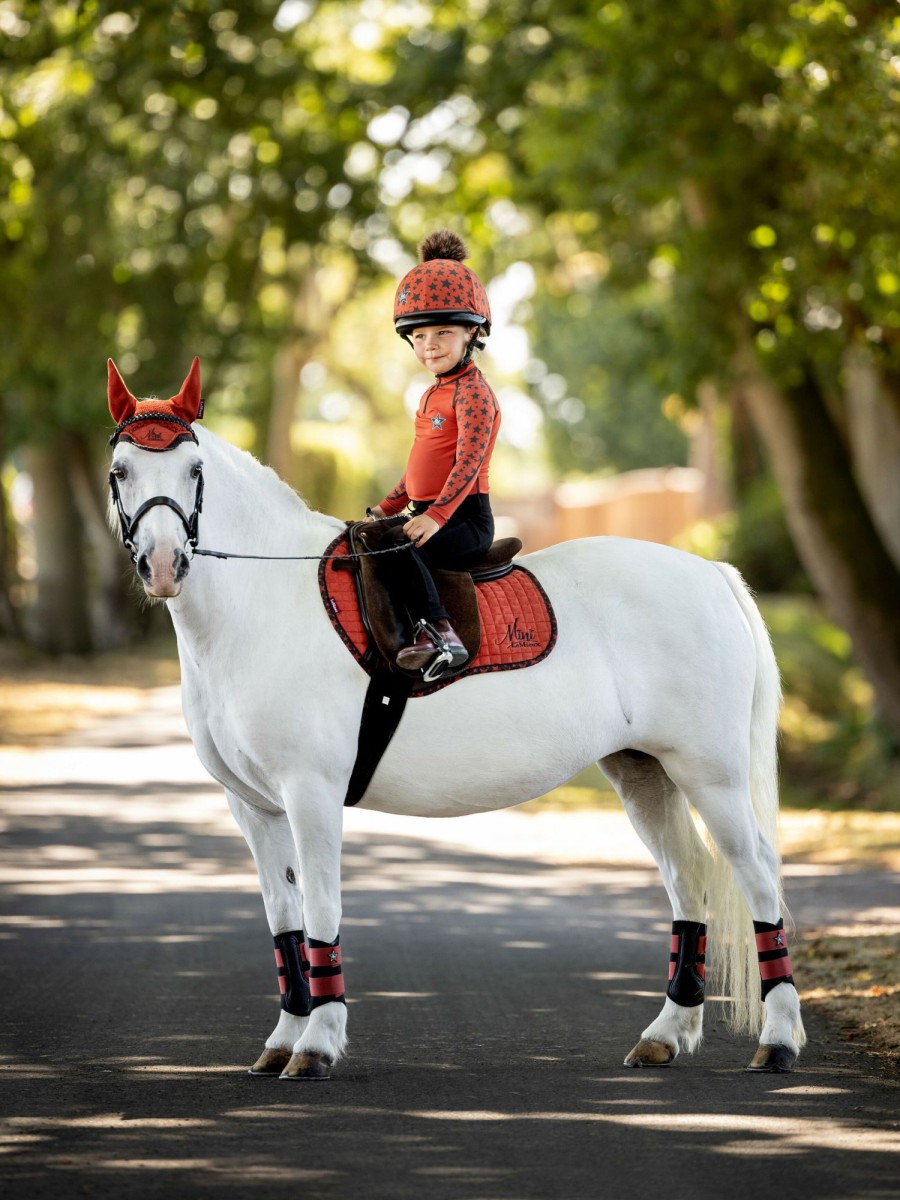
<point x="442" y="310"/>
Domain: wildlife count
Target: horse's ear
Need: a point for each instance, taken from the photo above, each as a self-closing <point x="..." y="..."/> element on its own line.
<point x="121" y="402"/>
<point x="187" y="404"/>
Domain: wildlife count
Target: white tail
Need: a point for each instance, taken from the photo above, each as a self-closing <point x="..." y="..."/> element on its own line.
<point x="735" y="969"/>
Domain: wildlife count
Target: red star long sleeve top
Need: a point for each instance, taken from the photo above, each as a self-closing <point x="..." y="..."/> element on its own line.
<point x="456" y="427"/>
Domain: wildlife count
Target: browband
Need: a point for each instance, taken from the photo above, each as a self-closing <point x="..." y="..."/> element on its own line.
<point x="152" y="416"/>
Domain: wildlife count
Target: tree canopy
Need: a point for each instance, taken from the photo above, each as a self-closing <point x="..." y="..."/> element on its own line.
<point x="703" y="192"/>
<point x="733" y="164"/>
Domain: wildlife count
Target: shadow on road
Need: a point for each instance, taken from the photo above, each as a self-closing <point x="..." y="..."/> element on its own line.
<point x="491" y="1003"/>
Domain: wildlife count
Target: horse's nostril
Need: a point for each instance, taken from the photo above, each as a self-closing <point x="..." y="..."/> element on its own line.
<point x="143" y="567"/>
<point x="182" y="565"/>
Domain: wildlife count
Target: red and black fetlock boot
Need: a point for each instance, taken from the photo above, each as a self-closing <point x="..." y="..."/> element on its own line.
<point x="774" y="960"/>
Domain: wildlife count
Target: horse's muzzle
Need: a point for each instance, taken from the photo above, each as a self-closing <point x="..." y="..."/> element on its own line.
<point x="162" y="577"/>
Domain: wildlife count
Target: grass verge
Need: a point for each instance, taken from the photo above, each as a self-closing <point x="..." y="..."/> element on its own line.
<point x="856" y="988"/>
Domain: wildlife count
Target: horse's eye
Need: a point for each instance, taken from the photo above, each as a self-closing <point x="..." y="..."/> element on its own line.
<point x="196" y="471"/>
<point x="119" y="472"/>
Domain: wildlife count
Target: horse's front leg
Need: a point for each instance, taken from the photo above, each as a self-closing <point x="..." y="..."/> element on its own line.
<point x="268" y="834"/>
<point x="316" y="819"/>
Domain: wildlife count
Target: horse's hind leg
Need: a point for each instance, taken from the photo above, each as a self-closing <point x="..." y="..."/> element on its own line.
<point x="659" y="814"/>
<point x="728" y="815"/>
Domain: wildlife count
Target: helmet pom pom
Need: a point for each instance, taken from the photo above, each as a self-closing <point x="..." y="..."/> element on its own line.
<point x="443" y="244"/>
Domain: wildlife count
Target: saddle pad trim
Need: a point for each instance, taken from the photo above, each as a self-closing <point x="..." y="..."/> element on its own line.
<point x="357" y="643"/>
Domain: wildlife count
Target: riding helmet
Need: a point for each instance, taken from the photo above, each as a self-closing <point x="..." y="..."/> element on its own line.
<point x="441" y="289"/>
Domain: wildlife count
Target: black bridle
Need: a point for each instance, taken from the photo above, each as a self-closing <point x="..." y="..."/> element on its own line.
<point x="129" y="525"/>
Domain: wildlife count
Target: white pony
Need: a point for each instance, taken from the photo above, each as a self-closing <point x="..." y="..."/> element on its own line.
<point x="663" y="673"/>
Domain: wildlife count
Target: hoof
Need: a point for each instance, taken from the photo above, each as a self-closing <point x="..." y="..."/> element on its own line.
<point x="774" y="1059"/>
<point x="271" y="1062"/>
<point x="650" y="1054"/>
<point x="307" y="1066"/>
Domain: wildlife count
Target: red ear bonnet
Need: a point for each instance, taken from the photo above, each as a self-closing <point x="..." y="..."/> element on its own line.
<point x="155" y="424"/>
<point x="187" y="404"/>
<point x="121" y="402"/>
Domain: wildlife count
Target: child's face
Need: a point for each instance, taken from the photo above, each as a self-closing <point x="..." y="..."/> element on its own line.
<point x="440" y="347"/>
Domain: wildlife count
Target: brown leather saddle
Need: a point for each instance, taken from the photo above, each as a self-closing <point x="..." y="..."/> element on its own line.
<point x="382" y="608"/>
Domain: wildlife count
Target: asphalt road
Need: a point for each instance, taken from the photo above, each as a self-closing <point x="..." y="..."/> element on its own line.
<point x="494" y="992"/>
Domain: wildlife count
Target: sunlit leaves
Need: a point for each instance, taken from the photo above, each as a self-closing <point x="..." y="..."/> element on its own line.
<point x="763" y="236"/>
<point x="171" y="161"/>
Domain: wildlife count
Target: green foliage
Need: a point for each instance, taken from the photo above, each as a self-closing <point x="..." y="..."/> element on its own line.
<point x="686" y="180"/>
<point x="171" y="176"/>
<point x="744" y="154"/>
<point x="603" y="409"/>
<point x="760" y="545"/>
<point x="835" y="752"/>
<point x="755" y="539"/>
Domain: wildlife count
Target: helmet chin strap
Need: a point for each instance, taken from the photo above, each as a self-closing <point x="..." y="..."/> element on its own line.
<point x="470" y="346"/>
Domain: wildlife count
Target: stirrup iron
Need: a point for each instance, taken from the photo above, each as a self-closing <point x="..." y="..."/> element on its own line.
<point x="442" y="659"/>
<point x="435" y="668"/>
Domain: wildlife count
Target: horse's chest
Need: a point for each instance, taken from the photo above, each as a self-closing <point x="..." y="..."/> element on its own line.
<point x="231" y="737"/>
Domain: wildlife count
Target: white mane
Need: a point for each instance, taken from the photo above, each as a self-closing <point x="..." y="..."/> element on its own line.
<point x="249" y="510"/>
<point x="259" y="475"/>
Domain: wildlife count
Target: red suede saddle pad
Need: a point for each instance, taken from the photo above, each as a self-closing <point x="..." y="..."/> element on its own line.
<point x="518" y="625"/>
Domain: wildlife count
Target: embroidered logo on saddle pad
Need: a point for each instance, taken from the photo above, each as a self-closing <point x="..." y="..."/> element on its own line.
<point x="518" y="625"/>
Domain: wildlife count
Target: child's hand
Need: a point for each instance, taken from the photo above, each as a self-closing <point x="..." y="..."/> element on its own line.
<point x="420" y="529"/>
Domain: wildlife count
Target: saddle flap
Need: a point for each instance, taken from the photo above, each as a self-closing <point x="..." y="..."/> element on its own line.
<point x="457" y="592"/>
<point x="375" y="599"/>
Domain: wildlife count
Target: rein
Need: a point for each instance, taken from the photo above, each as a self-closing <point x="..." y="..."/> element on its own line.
<point x="128" y="525"/>
<point x="305" y="557"/>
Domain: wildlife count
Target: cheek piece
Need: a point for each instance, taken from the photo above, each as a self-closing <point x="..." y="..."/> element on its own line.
<point x="687" y="963"/>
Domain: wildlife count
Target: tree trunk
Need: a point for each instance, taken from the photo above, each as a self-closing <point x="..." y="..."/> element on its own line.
<point x="114" y="619"/>
<point x="9" y="615"/>
<point x="835" y="535"/>
<point x="874" y="430"/>
<point x="61" y="622"/>
<point x="289" y="358"/>
<point x="705" y="451"/>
